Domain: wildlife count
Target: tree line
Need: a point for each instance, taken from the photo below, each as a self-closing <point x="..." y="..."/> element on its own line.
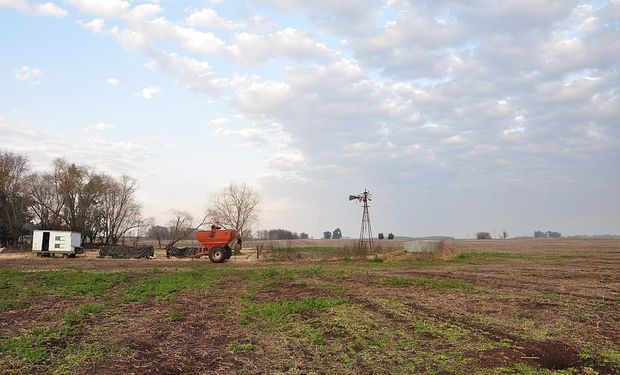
<point x="547" y="234"/>
<point x="103" y="208"/>
<point x="65" y="197"/>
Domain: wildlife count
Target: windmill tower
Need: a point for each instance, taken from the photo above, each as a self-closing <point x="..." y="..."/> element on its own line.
<point x="365" y="229"/>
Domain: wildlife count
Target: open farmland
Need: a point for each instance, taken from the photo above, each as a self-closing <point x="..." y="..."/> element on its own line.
<point x="513" y="306"/>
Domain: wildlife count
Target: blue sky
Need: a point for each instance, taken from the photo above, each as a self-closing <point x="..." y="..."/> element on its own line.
<point x="459" y="117"/>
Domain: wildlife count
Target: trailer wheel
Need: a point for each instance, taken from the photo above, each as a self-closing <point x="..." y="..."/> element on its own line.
<point x="217" y="255"/>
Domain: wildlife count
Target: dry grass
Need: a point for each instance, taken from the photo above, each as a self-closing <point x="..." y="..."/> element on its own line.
<point x="446" y="250"/>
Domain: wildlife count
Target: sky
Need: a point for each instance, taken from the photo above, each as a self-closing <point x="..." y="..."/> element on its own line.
<point x="457" y="116"/>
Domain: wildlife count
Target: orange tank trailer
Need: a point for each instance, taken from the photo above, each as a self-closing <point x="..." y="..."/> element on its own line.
<point x="215" y="244"/>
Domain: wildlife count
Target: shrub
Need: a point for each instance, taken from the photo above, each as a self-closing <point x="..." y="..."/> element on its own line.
<point x="483" y="235"/>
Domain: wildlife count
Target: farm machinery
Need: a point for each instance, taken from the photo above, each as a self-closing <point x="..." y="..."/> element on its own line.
<point x="215" y="244"/>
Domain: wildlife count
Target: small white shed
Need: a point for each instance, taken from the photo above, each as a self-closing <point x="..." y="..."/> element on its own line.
<point x="47" y="242"/>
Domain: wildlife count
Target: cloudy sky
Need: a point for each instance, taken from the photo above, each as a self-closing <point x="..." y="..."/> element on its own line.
<point x="457" y="116"/>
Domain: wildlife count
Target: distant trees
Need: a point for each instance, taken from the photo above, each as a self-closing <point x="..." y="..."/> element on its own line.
<point x="483" y="235"/>
<point x="390" y="236"/>
<point x="14" y="198"/>
<point x="504" y="234"/>
<point x="327" y="235"/>
<point x="181" y="225"/>
<point x="303" y="236"/>
<point x="236" y="207"/>
<point x="548" y="234"/>
<point x="277" y="234"/>
<point x="159" y="233"/>
<point x="337" y="234"/>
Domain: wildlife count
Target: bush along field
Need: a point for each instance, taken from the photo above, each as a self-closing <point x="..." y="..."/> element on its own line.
<point x="479" y="313"/>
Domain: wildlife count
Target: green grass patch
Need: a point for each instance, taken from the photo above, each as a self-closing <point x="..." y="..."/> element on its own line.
<point x="76" y="318"/>
<point x="43" y="345"/>
<point x="11" y="304"/>
<point x="70" y="283"/>
<point x="18" y="287"/>
<point x="236" y="346"/>
<point x="174" y="314"/>
<point x="163" y="286"/>
<point x="611" y="357"/>
<point x="550" y="293"/>
<point x="432" y="283"/>
<point x="278" y="312"/>
<point x="11" y="283"/>
<point x="74" y="357"/>
<point x="473" y="257"/>
<point x="72" y="319"/>
<point x="30" y="348"/>
<point x="125" y="351"/>
<point x="90" y="309"/>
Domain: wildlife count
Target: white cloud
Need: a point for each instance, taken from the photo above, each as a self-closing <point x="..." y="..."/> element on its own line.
<point x="43" y="9"/>
<point x="219" y="121"/>
<point x="286" y="160"/>
<point x="102" y="154"/>
<point x="50" y="9"/>
<point x="144" y="12"/>
<point x="148" y="92"/>
<point x="112" y="81"/>
<point x="194" y="74"/>
<point x="262" y="97"/>
<point x="345" y="16"/>
<point x="20" y="5"/>
<point x="28" y="74"/>
<point x="100" y="126"/>
<point x="250" y="134"/>
<point x="292" y="43"/>
<point x="107" y="8"/>
<point x="96" y="25"/>
<point x="210" y="19"/>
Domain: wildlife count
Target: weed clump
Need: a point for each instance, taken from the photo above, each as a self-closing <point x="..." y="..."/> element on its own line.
<point x="432" y="283"/>
<point x="277" y="313"/>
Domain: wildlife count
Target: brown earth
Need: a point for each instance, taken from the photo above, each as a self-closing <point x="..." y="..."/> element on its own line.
<point x="545" y="305"/>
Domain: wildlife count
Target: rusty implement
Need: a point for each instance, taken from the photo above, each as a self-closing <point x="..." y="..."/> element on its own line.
<point x="216" y="244"/>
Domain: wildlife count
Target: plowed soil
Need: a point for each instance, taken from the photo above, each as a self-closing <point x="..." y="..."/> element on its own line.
<point x="512" y="306"/>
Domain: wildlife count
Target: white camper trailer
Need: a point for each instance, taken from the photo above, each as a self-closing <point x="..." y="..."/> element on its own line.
<point x="51" y="242"/>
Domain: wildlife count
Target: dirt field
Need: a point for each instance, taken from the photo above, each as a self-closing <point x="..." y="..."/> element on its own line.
<point x="501" y="307"/>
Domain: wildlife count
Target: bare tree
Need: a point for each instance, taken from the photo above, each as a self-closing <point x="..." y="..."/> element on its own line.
<point x="121" y="212"/>
<point x="46" y="201"/>
<point x="236" y="207"/>
<point x="73" y="181"/>
<point x="182" y="224"/>
<point x="158" y="232"/>
<point x="68" y="197"/>
<point x="141" y="229"/>
<point x="504" y="234"/>
<point x="13" y="196"/>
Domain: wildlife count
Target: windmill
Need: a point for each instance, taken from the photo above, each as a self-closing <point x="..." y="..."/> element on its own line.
<point x="365" y="230"/>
